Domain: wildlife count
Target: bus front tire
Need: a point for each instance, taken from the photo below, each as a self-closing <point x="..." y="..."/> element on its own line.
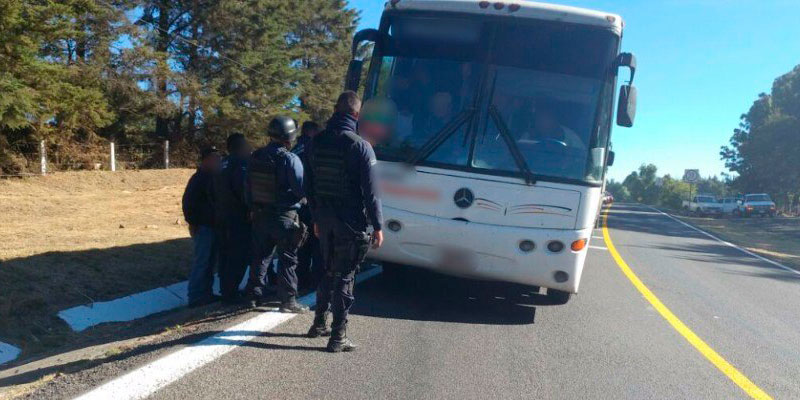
<point x="558" y="297"/>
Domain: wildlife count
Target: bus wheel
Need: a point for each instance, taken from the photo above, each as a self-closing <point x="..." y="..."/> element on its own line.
<point x="558" y="297"/>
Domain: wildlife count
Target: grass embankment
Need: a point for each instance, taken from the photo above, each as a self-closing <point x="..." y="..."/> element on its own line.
<point x="775" y="238"/>
<point x="73" y="238"/>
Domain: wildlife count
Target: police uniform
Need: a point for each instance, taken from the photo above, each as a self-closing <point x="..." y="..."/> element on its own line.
<point x="344" y="202"/>
<point x="275" y="179"/>
<point x="309" y="256"/>
<point x="234" y="225"/>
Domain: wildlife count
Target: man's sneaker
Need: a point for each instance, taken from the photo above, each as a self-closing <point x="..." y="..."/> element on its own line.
<point x="293" y="307"/>
<point x="340" y="345"/>
<point x="318" y="330"/>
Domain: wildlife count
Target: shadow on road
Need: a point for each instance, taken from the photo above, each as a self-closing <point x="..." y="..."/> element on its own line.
<point x="422" y="295"/>
<point x="639" y="219"/>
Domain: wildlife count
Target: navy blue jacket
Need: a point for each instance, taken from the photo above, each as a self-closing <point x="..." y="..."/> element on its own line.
<point x="229" y="189"/>
<point x="301" y="149"/>
<point x="291" y="190"/>
<point x="362" y="205"/>
<point x="198" y="199"/>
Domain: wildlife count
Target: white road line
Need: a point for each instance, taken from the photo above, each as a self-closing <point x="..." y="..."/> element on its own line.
<point x="597" y="237"/>
<point x="743" y="250"/>
<point x="598" y="248"/>
<point x="146" y="380"/>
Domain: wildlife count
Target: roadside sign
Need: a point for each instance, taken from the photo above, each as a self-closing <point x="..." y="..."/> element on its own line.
<point x="691" y="176"/>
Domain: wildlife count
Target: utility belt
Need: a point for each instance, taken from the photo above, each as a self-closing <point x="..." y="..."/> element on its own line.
<point x="348" y="255"/>
<point x="295" y="234"/>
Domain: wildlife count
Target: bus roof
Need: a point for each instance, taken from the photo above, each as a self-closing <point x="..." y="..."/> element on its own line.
<point x="527" y="9"/>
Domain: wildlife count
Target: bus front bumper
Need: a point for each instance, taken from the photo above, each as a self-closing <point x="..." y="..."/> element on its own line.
<point x="482" y="251"/>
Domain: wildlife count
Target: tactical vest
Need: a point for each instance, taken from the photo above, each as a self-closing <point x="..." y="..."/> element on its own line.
<point x="264" y="178"/>
<point x="331" y="179"/>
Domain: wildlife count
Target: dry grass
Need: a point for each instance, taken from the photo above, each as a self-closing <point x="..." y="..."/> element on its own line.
<point x="72" y="238"/>
<point x="775" y="238"/>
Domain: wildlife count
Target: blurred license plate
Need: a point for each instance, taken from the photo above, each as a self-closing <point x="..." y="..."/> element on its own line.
<point x="456" y="258"/>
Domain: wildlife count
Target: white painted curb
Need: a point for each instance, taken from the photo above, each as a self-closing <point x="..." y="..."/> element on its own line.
<point x="8" y="353"/>
<point x="132" y="307"/>
<point x="146" y="380"/>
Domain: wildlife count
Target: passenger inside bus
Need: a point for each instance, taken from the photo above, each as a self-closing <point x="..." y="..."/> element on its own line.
<point x="440" y="113"/>
<point x="543" y="124"/>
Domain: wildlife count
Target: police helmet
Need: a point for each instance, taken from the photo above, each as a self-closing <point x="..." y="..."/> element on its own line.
<point x="282" y="128"/>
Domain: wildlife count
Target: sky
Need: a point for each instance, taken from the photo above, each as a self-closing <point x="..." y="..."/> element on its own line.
<point x="701" y="64"/>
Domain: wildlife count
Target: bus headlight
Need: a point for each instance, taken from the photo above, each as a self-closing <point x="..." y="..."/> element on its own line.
<point x="394" y="226"/>
<point x="527" y="246"/>
<point x="555" y="246"/>
<point x="561" y="276"/>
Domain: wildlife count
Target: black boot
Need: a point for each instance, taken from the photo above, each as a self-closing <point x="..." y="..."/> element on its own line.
<point x="319" y="327"/>
<point x="339" y="342"/>
<point x="292" y="306"/>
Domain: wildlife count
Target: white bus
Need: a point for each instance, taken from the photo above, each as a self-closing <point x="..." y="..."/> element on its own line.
<point x="495" y="169"/>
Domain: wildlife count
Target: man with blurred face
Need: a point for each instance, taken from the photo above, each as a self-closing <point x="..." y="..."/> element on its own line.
<point x="309" y="256"/>
<point x="377" y="120"/>
<point x="198" y="210"/>
<point x="233" y="217"/>
<point x="546" y="126"/>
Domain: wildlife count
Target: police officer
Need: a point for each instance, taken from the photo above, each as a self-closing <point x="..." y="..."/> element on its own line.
<point x="344" y="201"/>
<point x="233" y="217"/>
<point x="309" y="267"/>
<point x="275" y="179"/>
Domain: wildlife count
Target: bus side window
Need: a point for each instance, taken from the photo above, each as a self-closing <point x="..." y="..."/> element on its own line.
<point x="384" y="77"/>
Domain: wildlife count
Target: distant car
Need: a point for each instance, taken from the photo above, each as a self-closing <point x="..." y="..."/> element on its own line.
<point x="608" y="198"/>
<point x="730" y="205"/>
<point x="703" y="205"/>
<point x="757" y="204"/>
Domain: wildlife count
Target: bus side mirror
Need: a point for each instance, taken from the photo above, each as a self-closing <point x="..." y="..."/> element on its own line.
<point x="626" y="111"/>
<point x="611" y="156"/>
<point x="360" y="51"/>
<point x="353" y="78"/>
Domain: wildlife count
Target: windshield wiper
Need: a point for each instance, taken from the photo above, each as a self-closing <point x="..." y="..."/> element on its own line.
<point x="440" y="136"/>
<point x="530" y="179"/>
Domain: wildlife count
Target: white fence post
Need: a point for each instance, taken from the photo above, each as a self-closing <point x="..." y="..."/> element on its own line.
<point x="113" y="158"/>
<point x="43" y="157"/>
<point x="166" y="154"/>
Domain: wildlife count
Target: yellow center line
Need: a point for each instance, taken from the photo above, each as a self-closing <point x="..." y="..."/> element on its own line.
<point x="729" y="370"/>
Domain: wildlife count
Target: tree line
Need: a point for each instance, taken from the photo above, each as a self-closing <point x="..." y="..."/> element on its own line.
<point x="764" y="151"/>
<point x="77" y="73"/>
<point x="763" y="156"/>
<point x="645" y="186"/>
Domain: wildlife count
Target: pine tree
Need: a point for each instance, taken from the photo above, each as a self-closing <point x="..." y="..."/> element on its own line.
<point x="321" y="40"/>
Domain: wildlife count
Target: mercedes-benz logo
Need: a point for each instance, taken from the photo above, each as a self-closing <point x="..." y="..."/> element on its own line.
<point x="463" y="198"/>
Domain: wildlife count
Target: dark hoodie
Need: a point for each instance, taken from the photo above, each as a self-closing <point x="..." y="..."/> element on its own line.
<point x="198" y="199"/>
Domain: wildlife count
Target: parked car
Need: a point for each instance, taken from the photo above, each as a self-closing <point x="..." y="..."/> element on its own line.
<point x="608" y="198"/>
<point x="730" y="205"/>
<point x="757" y="204"/>
<point x="703" y="205"/>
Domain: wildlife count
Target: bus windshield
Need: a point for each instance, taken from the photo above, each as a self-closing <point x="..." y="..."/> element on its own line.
<point x="499" y="97"/>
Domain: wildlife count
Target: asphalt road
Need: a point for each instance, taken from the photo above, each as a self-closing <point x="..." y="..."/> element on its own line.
<point x="428" y="336"/>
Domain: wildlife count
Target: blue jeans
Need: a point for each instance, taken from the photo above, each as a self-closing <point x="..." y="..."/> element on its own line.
<point x="201" y="278"/>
